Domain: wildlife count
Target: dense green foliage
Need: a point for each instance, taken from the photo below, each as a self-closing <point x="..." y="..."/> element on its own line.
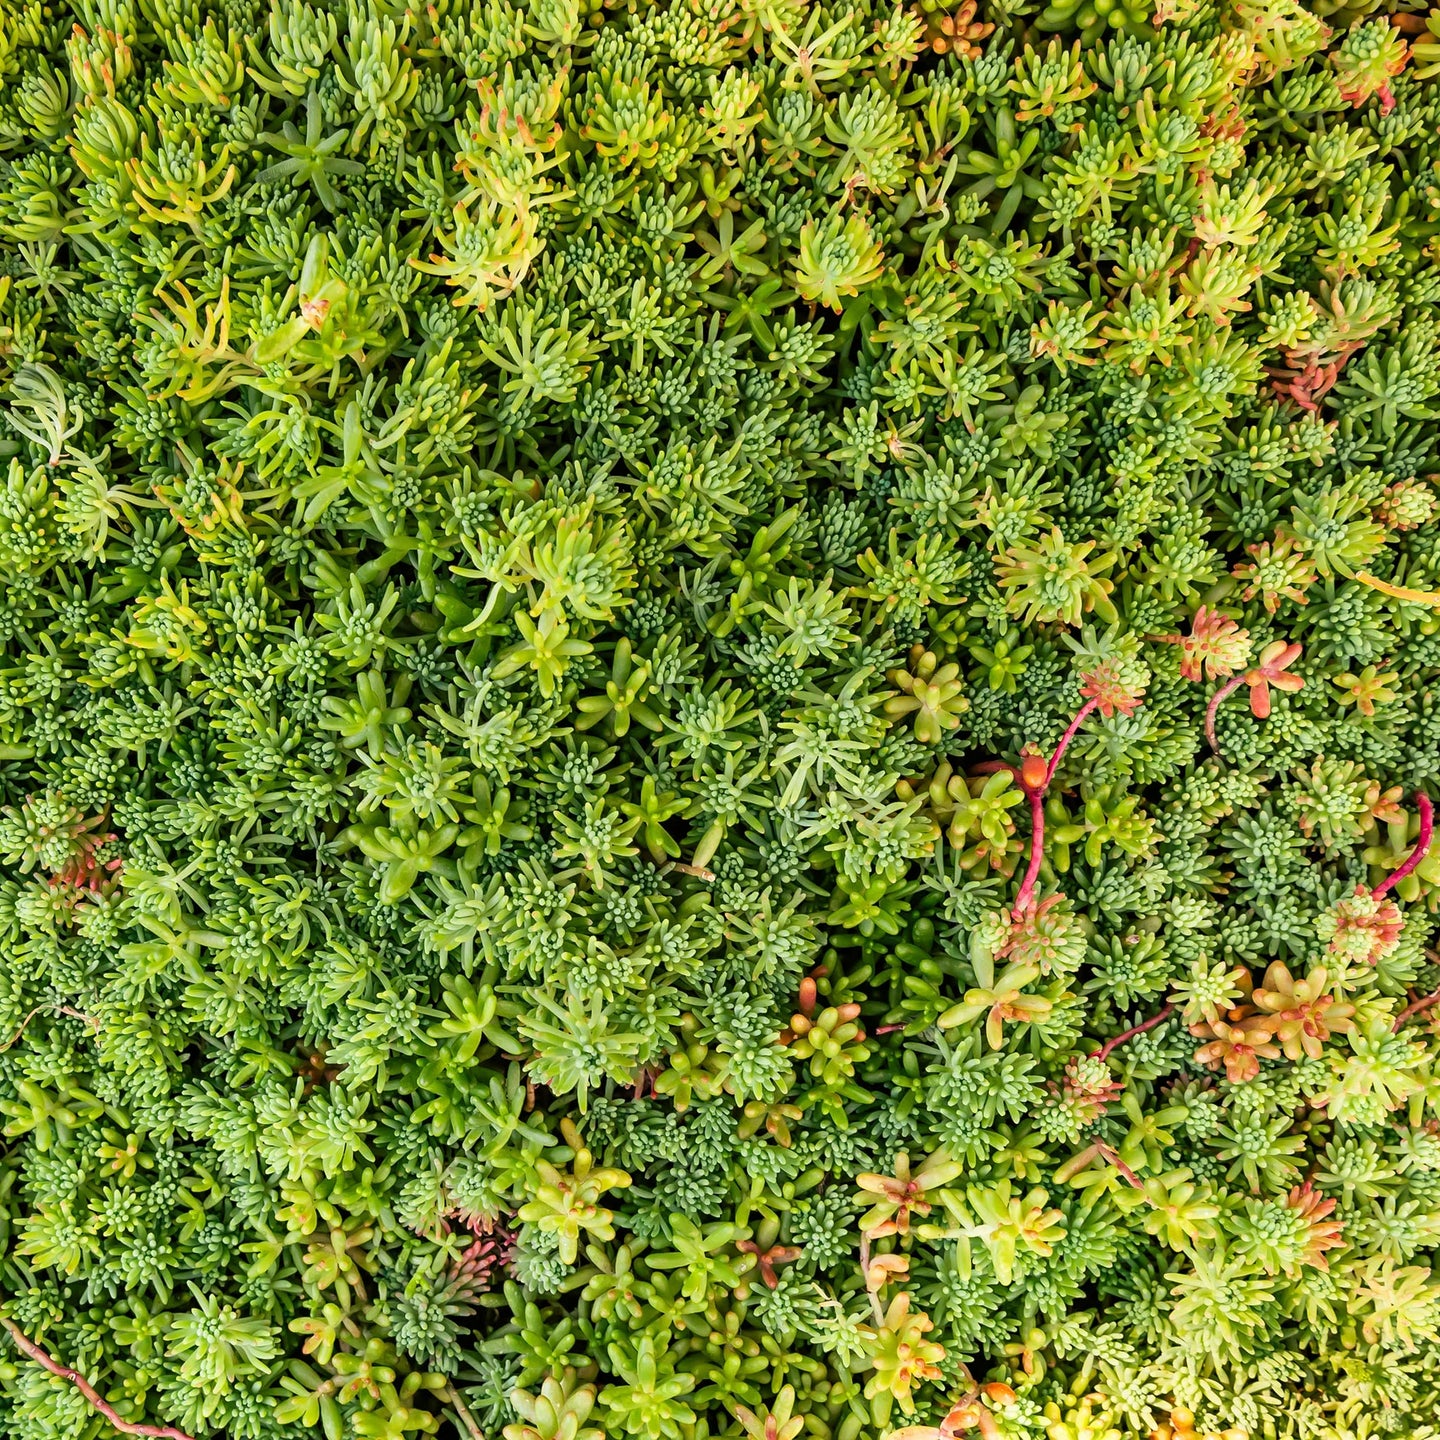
<point x="627" y="799"/>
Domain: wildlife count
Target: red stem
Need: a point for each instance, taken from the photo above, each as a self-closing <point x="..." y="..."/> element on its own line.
<point x="993" y="767"/>
<point x="1025" y="896"/>
<point x="126" y="1427"/>
<point x="1216" y="700"/>
<point x="1422" y="846"/>
<point x="1065" y="740"/>
<point x="1424" y="1003"/>
<point x="1104" y="1052"/>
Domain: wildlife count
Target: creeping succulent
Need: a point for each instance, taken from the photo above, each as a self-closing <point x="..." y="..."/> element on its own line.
<point x="718" y="719"/>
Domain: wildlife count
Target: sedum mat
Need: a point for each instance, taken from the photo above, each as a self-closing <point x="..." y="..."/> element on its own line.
<point x="715" y="720"/>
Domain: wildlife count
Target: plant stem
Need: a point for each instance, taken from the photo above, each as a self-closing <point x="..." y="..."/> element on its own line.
<point x="865" y="1275"/>
<point x="1104" y="1052"/>
<point x="127" y="1427"/>
<point x="1025" y="896"/>
<point x="1422" y="846"/>
<point x="23" y="1026"/>
<point x="994" y="767"/>
<point x="56" y="1009"/>
<point x="1424" y="1003"/>
<point x="1216" y="700"/>
<point x="451" y="1397"/>
<point x="1081" y="716"/>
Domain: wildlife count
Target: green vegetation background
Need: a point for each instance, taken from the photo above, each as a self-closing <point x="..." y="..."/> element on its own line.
<point x="715" y="717"/>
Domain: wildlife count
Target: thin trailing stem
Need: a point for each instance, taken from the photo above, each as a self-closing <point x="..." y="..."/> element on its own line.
<point x="1415" y="1007"/>
<point x="875" y="1305"/>
<point x="127" y="1427"/>
<point x="1081" y="716"/>
<point x="24" y="1025"/>
<point x="1025" y="896"/>
<point x="1422" y="846"/>
<point x="54" y="1009"/>
<point x="1035" y="782"/>
<point x="1108" y="1048"/>
<point x="1216" y="701"/>
<point x="451" y="1396"/>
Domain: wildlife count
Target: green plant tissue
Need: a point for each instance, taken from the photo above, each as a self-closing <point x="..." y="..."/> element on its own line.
<point x="718" y="719"/>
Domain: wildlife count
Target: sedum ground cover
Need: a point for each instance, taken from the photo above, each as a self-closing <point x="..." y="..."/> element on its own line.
<point x="715" y="720"/>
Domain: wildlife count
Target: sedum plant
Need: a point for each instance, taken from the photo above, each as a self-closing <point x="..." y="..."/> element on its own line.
<point x="624" y="810"/>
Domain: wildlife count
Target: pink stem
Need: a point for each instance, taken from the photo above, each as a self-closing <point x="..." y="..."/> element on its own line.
<point x="1422" y="846"/>
<point x="126" y="1427"/>
<point x="993" y="767"/>
<point x="1105" y="1051"/>
<point x="1066" y="738"/>
<point x="1216" y="700"/>
<point x="1025" y="896"/>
